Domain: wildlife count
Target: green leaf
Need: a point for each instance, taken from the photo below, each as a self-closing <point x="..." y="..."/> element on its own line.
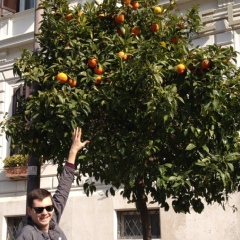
<point x="112" y="191"/>
<point x="205" y="148"/>
<point x="190" y="146"/>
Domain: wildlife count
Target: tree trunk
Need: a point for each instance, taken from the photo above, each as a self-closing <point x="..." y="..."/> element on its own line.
<point x="141" y="205"/>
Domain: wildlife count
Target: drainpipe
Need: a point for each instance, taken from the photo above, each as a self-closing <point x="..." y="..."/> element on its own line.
<point x="34" y="164"/>
<point x="38" y="18"/>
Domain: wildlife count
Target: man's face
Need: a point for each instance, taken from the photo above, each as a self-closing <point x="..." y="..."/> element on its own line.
<point x="42" y="219"/>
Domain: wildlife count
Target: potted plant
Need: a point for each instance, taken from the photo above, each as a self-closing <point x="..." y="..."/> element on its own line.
<point x="16" y="166"/>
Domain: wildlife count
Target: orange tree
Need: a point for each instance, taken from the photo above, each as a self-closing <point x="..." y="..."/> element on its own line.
<point x="162" y="117"/>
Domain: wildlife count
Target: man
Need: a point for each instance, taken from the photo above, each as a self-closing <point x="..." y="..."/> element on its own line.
<point x="44" y="210"/>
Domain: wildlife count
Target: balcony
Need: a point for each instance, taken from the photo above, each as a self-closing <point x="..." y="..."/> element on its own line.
<point x="16" y="29"/>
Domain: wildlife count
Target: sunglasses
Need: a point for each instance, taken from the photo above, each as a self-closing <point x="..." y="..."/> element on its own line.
<point x="40" y="209"/>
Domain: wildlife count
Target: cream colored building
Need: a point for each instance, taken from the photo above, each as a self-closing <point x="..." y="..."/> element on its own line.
<point x="97" y="217"/>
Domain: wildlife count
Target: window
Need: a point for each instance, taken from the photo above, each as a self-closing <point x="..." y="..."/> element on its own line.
<point x="14" y="224"/>
<point x="25" y="4"/>
<point x="18" y="93"/>
<point x="15" y="5"/>
<point x="10" y="6"/>
<point x="130" y="226"/>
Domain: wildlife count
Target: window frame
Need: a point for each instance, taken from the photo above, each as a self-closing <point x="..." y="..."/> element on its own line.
<point x="20" y="220"/>
<point x="15" y="6"/>
<point x="22" y="5"/>
<point x="120" y="223"/>
<point x="11" y="6"/>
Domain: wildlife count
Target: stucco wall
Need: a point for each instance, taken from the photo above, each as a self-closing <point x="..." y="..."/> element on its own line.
<point x="212" y="224"/>
<point x="94" y="217"/>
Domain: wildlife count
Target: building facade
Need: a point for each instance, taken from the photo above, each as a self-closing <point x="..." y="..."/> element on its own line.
<point x="99" y="217"/>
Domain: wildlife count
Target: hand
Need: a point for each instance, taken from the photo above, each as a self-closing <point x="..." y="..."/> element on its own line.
<point x="76" y="140"/>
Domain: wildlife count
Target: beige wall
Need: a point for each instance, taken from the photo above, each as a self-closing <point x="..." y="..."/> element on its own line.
<point x="94" y="217"/>
<point x="212" y="224"/>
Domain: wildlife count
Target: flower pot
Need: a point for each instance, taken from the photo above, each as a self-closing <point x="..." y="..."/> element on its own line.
<point x="17" y="173"/>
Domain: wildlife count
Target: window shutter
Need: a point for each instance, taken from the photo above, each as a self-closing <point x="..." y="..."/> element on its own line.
<point x="18" y="93"/>
<point x="10" y="5"/>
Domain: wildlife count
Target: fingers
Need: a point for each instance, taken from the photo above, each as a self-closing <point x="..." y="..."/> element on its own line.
<point x="77" y="143"/>
<point x="85" y="143"/>
<point x="77" y="134"/>
<point x="74" y="134"/>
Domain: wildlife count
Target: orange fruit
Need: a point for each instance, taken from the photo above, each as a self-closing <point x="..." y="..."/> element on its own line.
<point x="157" y="10"/>
<point x="80" y="13"/>
<point x="181" y="68"/>
<point x="125" y="57"/>
<point x="127" y="2"/>
<point x="205" y="64"/>
<point x="128" y="56"/>
<point x="135" y="5"/>
<point x="154" y="27"/>
<point x="121" y="54"/>
<point x="69" y="16"/>
<point x="72" y="82"/>
<point x="98" y="70"/>
<point x="101" y="16"/>
<point x="163" y="44"/>
<point x="92" y="62"/>
<point x="98" y="80"/>
<point x="119" y="19"/>
<point x="135" y="31"/>
<point x="174" y="40"/>
<point x="62" y="77"/>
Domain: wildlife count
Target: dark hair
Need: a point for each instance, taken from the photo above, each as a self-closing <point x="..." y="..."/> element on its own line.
<point x="38" y="193"/>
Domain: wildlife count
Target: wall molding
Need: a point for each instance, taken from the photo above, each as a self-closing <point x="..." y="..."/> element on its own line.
<point x="16" y="40"/>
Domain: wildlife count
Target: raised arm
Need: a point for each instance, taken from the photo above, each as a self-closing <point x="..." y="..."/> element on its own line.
<point x="76" y="145"/>
<point x="61" y="195"/>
